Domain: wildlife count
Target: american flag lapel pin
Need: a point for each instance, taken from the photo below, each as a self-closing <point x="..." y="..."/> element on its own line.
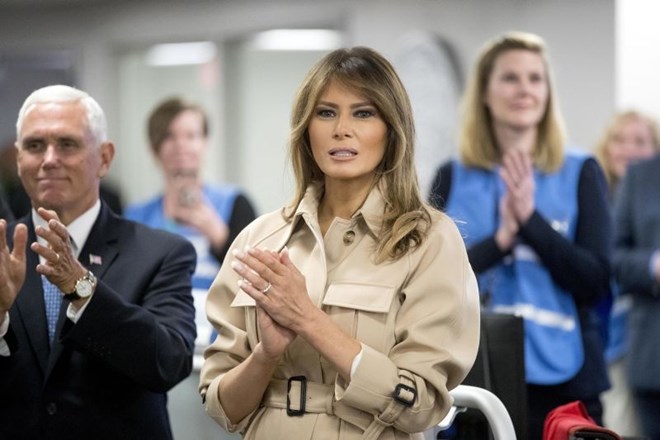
<point x="95" y="259"/>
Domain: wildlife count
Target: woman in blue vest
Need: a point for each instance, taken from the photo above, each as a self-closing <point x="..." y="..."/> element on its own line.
<point x="535" y="218"/>
<point x="210" y="216"/>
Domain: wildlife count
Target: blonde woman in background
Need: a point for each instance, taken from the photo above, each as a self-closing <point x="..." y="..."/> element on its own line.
<point x="630" y="136"/>
<point x="535" y="218"/>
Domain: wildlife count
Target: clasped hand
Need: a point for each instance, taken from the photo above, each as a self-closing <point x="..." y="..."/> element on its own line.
<point x="188" y="205"/>
<point x="280" y="293"/>
<point x="517" y="204"/>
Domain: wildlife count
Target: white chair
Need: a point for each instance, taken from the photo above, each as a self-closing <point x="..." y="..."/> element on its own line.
<point x="466" y="396"/>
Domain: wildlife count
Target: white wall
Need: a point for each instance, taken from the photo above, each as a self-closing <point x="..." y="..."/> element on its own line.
<point x="637" y="58"/>
<point x="580" y="35"/>
<point x="261" y="129"/>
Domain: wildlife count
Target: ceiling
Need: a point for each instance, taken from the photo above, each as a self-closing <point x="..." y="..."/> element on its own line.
<point x="66" y="3"/>
<point x="31" y="3"/>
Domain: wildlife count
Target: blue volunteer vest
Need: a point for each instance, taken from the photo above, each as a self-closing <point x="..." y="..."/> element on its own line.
<point x="151" y="213"/>
<point x="521" y="284"/>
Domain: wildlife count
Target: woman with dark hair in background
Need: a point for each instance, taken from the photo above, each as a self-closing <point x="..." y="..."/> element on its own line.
<point x="210" y="216"/>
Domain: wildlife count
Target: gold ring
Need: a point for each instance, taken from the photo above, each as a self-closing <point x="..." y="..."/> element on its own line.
<point x="266" y="289"/>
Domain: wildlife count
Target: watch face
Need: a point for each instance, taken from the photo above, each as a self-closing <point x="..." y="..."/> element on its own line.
<point x="84" y="288"/>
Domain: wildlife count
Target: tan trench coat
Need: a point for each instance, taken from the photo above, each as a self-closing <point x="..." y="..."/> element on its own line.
<point x="417" y="319"/>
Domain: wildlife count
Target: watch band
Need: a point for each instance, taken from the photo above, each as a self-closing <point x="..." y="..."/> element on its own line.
<point x="71" y="296"/>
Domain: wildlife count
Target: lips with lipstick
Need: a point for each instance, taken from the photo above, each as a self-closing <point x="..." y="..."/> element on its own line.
<point x="343" y="152"/>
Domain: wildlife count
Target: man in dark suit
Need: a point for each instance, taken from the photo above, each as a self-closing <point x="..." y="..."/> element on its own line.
<point x="637" y="269"/>
<point x="97" y="316"/>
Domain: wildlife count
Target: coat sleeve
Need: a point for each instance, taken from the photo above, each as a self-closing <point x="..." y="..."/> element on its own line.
<point x="143" y="327"/>
<point x="437" y="332"/>
<point x="232" y="345"/>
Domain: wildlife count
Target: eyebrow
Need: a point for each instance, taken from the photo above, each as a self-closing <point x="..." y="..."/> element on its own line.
<point x="29" y="139"/>
<point x="39" y="138"/>
<point x="356" y="105"/>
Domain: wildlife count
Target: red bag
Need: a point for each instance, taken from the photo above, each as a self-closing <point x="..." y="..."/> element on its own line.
<point x="572" y="422"/>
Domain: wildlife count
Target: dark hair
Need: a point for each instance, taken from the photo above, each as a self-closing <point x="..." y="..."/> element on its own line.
<point x="162" y="116"/>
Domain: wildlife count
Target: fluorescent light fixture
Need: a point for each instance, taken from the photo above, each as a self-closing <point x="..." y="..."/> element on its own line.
<point x="296" y="39"/>
<point x="178" y="54"/>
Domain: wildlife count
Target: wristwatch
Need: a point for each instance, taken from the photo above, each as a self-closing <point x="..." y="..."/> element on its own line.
<point x="84" y="287"/>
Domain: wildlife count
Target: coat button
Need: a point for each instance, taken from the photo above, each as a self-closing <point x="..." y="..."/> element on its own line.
<point x="51" y="408"/>
<point x="349" y="236"/>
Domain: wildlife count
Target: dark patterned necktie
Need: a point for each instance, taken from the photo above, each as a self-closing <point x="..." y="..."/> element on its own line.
<point x="53" y="301"/>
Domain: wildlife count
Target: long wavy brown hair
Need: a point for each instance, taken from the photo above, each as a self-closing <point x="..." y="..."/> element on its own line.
<point x="406" y="218"/>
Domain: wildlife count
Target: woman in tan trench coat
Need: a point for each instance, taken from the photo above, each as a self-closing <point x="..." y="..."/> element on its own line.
<point x="352" y="312"/>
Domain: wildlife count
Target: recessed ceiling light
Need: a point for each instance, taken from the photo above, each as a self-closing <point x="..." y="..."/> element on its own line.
<point x="296" y="39"/>
<point x="176" y="54"/>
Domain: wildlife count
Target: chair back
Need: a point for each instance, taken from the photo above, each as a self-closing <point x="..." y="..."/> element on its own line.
<point x="500" y="366"/>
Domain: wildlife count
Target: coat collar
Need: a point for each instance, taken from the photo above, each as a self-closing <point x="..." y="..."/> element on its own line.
<point x="370" y="214"/>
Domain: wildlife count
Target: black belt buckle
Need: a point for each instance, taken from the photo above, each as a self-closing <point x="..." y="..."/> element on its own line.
<point x="398" y="395"/>
<point x="303" y="396"/>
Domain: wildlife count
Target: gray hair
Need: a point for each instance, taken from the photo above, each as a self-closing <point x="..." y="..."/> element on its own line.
<point x="61" y="93"/>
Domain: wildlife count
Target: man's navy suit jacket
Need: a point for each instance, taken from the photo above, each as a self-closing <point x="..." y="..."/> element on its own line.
<point x="105" y="377"/>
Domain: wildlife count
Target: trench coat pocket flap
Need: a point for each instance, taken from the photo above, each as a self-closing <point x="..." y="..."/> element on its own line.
<point x="365" y="297"/>
<point x="242" y="299"/>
